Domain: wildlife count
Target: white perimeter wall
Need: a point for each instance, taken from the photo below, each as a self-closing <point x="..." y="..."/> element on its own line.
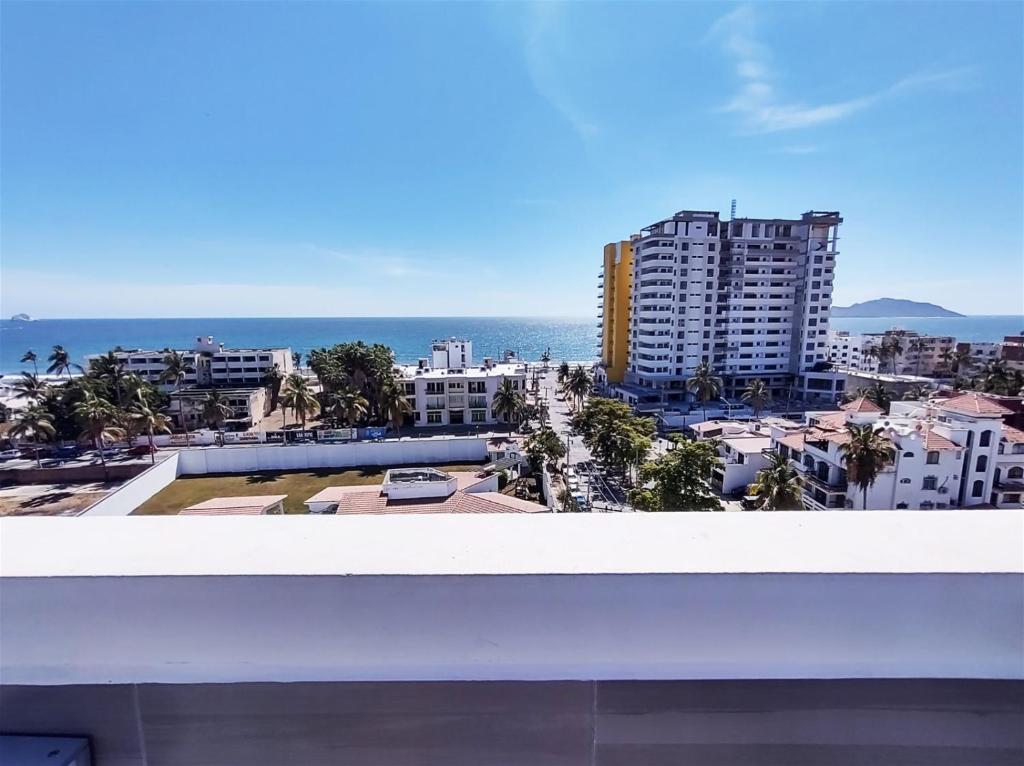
<point x="274" y="457"/>
<point x="137" y="491"/>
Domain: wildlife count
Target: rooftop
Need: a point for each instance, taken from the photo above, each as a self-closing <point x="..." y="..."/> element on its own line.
<point x="251" y="505"/>
<point x="412" y="371"/>
<point x="975" y="404"/>
<point x="863" y="404"/>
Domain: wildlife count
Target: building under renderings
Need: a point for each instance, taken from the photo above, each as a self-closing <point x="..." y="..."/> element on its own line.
<point x="750" y="296"/>
<point x="616" y="286"/>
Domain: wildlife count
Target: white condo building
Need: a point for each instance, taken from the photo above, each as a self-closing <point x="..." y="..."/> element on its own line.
<point x="918" y="354"/>
<point x="448" y="389"/>
<point x="211" y="363"/>
<point x="947" y="453"/>
<point x="750" y="296"/>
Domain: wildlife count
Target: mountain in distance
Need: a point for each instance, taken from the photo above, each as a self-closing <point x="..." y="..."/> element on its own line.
<point x="21" y="318"/>
<point x="892" y="307"/>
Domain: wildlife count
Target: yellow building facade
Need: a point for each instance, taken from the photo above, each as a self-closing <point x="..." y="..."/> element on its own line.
<point x="617" y="284"/>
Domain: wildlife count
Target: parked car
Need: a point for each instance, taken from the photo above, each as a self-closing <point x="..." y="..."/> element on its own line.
<point x="33" y="451"/>
<point x="67" y="452"/>
<point x="574" y="483"/>
<point x="10" y="454"/>
<point x="581" y="500"/>
<point x="142" y="449"/>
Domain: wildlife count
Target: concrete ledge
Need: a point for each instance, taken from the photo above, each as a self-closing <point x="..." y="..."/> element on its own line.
<point x="675" y="596"/>
<point x="884" y="542"/>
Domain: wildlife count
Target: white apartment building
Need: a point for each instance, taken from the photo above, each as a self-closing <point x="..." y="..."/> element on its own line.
<point x="211" y="363"/>
<point x="248" y="405"/>
<point x="947" y="453"/>
<point x="749" y="296"/>
<point x="846" y="350"/>
<point x="461" y="394"/>
<point x="742" y="448"/>
<point x="918" y="355"/>
<point x="980" y="353"/>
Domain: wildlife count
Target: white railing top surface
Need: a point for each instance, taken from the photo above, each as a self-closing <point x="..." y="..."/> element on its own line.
<point x="873" y="542"/>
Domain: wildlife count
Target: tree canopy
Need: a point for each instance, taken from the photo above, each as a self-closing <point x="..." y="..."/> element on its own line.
<point x="678" y="480"/>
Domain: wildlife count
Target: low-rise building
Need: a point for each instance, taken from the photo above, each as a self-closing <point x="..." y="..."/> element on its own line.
<point x="743" y="449"/>
<point x="210" y="364"/>
<point x="249" y="405"/>
<point x="247" y="505"/>
<point x="845" y="350"/>
<point x="946" y="453"/>
<point x="916" y="354"/>
<point x="421" y="490"/>
<point x="457" y="395"/>
<point x="1013" y="351"/>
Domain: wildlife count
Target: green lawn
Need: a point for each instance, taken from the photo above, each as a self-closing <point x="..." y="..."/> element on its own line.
<point x="298" y="485"/>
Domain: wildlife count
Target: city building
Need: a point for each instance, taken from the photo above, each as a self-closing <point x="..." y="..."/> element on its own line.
<point x="249" y="405"/>
<point x="946" y="453"/>
<point x="421" y="490"/>
<point x="846" y="351"/>
<point x="743" y="448"/>
<point x="210" y="364"/>
<point x="1013" y="351"/>
<point x="916" y="354"/>
<point x="457" y="395"/>
<point x="750" y="296"/>
<point x="616" y="286"/>
<point x="979" y="354"/>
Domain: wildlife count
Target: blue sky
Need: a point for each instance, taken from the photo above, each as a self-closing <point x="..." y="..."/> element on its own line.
<point x="244" y="159"/>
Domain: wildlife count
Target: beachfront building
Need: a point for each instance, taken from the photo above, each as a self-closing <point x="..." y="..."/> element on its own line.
<point x="979" y="354"/>
<point x="1013" y="351"/>
<point x="210" y="363"/>
<point x="249" y="405"/>
<point x="459" y="393"/>
<point x="916" y="354"/>
<point x="615" y="287"/>
<point x="750" y="296"/>
<point x="946" y="453"/>
<point x="846" y="351"/>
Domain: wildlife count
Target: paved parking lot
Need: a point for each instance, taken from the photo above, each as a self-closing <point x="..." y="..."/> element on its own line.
<point x="52" y="499"/>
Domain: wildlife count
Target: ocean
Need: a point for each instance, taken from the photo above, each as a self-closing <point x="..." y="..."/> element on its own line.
<point x="568" y="338"/>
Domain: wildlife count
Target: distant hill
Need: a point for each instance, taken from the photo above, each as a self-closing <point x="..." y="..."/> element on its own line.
<point x="892" y="307"/>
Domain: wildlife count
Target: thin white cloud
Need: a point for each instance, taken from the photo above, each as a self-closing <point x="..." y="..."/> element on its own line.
<point x="801" y="149"/>
<point x="543" y="39"/>
<point x="758" y="102"/>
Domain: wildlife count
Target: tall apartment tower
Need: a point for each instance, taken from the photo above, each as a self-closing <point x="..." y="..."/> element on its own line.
<point x="616" y="286"/>
<point x="750" y="296"/>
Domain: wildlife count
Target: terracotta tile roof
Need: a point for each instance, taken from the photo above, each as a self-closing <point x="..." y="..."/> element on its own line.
<point x="249" y="505"/>
<point x="863" y="404"/>
<point x="1013" y="435"/>
<point x="828" y="435"/>
<point x="374" y="502"/>
<point x="975" y="404"/>
<point x="793" y="440"/>
<point x="934" y="441"/>
<point x="833" y="420"/>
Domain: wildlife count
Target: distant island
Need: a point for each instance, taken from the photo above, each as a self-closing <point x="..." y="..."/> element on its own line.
<point x="892" y="307"/>
<point x="21" y="318"/>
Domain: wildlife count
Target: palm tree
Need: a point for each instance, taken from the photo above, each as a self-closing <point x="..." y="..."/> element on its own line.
<point x="916" y="346"/>
<point x="778" y="485"/>
<point x="34" y="422"/>
<point x="216" y="410"/>
<point x="917" y="393"/>
<point x="30" y="387"/>
<point x="865" y="455"/>
<point x="151" y="422"/>
<point x="393" y="405"/>
<point x="578" y="384"/>
<point x="995" y="377"/>
<point x="274" y="378"/>
<point x="892" y="348"/>
<point x="705" y="384"/>
<point x="758" y="395"/>
<point x="348" y="405"/>
<point x="99" y="421"/>
<point x="176" y="368"/>
<point x="878" y="394"/>
<point x="60" y="362"/>
<point x="30" y="356"/>
<point x="508" y="402"/>
<point x="563" y="374"/>
<point x="109" y="368"/>
<point x="297" y="394"/>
